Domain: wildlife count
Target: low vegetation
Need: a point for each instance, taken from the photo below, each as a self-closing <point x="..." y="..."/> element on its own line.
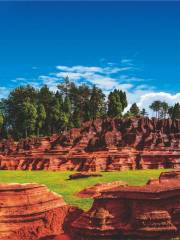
<point x="57" y="181"/>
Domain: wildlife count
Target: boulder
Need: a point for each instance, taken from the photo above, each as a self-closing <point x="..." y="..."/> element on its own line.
<point x="84" y="175"/>
<point x="150" y="211"/>
<point x="30" y="211"/>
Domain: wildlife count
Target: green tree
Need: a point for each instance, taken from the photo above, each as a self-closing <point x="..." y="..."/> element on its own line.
<point x="144" y="112"/>
<point x="67" y="107"/>
<point x="64" y="121"/>
<point x="13" y="108"/>
<point x="97" y="103"/>
<point x="128" y="114"/>
<point x="156" y="106"/>
<point x="80" y="100"/>
<point x="123" y="99"/>
<point x="1" y="121"/>
<point x="29" y="116"/>
<point x="170" y="111"/>
<point x="115" y="107"/>
<point x="176" y="111"/>
<point x="41" y="116"/>
<point x="65" y="87"/>
<point x="55" y="114"/>
<point x="164" y="109"/>
<point x="45" y="97"/>
<point x="134" y="110"/>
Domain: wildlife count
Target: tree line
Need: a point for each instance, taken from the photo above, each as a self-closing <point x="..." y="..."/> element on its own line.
<point x="29" y="111"/>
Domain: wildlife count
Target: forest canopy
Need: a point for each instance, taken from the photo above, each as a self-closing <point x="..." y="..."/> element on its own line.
<point x="29" y="111"/>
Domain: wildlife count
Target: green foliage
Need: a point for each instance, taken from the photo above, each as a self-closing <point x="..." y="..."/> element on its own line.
<point x="41" y="116"/>
<point x="115" y="104"/>
<point x="143" y="112"/>
<point x="65" y="87"/>
<point x="164" y="109"/>
<point x="29" y="116"/>
<point x="67" y="106"/>
<point x="128" y="114"/>
<point x="97" y="103"/>
<point x="156" y="106"/>
<point x="1" y="120"/>
<point x="176" y="111"/>
<point x="29" y="111"/>
<point x="55" y="115"/>
<point x="134" y="110"/>
<point x="160" y="108"/>
<point x="13" y="109"/>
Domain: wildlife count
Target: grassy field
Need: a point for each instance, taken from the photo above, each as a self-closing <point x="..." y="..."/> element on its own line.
<point x="57" y="181"/>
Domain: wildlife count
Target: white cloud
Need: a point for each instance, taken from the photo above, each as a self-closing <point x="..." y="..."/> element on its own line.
<point x="120" y="77"/>
<point x="4" y="92"/>
<point x="79" y="68"/>
<point x="108" y="77"/>
<point x="148" y="98"/>
<point x="34" y="68"/>
<point x="144" y="98"/>
<point x="72" y="75"/>
<point x="104" y="77"/>
<point x="51" y="82"/>
<point x="19" y="79"/>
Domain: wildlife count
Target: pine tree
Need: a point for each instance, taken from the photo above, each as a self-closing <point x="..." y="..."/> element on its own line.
<point x="114" y="104"/>
<point x="143" y="112"/>
<point x="134" y="110"/>
<point x="176" y="111"/>
<point x="97" y="103"/>
<point x="29" y="116"/>
<point x="164" y="109"/>
<point x="170" y="111"/>
<point x="156" y="106"/>
<point x="1" y="122"/>
<point x="123" y="99"/>
<point x="45" y="97"/>
<point x="41" y="116"/>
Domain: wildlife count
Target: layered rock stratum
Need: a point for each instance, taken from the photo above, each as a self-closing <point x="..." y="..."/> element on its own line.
<point x="151" y="211"/>
<point x="31" y="211"/>
<point x="99" y="145"/>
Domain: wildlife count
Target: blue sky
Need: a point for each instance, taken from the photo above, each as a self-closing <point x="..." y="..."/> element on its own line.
<point x="134" y="46"/>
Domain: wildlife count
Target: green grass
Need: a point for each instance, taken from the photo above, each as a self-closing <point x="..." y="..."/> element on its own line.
<point x="57" y="181"/>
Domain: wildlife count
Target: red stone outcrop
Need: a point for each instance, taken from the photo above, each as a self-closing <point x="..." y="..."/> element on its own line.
<point x="119" y="211"/>
<point x="99" y="145"/>
<point x="95" y="190"/>
<point x="31" y="211"/>
<point x="84" y="175"/>
<point x="150" y="211"/>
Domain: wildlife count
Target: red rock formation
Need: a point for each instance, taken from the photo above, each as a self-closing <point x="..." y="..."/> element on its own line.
<point x="95" y="190"/>
<point x="84" y="175"/>
<point x="150" y="211"/>
<point x="100" y="145"/>
<point x="31" y="211"/>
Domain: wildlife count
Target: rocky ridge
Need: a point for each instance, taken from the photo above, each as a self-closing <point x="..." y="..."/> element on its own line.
<point x="99" y="145"/>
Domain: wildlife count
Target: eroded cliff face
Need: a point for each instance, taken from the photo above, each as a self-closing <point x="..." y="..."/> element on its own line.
<point x="151" y="211"/>
<point x="100" y="145"/>
<point x="31" y="211"/>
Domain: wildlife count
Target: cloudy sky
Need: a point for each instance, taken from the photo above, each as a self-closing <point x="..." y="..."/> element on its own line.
<point x="134" y="46"/>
